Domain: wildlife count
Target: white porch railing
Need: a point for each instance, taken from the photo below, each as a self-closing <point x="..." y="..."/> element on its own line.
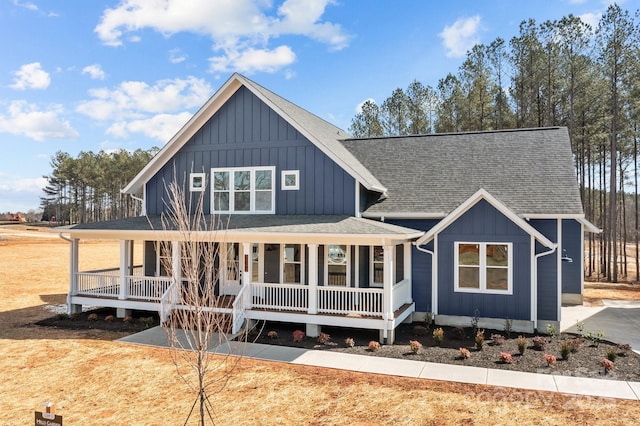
<point x="240" y="304"/>
<point x="168" y="302"/>
<point x="147" y="288"/>
<point x="280" y="297"/>
<point x="401" y="294"/>
<point x="103" y="284"/>
<point x="350" y="301"/>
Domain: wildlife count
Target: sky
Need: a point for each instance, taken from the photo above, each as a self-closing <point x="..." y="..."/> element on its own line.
<point x="79" y="75"/>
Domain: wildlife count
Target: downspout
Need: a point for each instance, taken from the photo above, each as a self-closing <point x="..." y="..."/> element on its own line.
<point x="535" y="282"/>
<point x="434" y="291"/>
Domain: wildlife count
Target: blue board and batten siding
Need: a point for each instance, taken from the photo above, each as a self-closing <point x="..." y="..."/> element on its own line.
<point x="547" y="303"/>
<point x="572" y="248"/>
<point x="483" y="223"/>
<point x="245" y="132"/>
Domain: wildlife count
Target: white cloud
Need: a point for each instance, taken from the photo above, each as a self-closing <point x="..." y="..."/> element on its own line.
<point x="359" y="106"/>
<point x="27" y="120"/>
<point x="95" y="72"/>
<point x="254" y="60"/>
<point x="160" y="126"/>
<point x="176" y="56"/>
<point x="31" y="76"/>
<point x="137" y="99"/>
<point x="240" y="30"/>
<point x="591" y="18"/>
<point x="27" y="5"/>
<point x="461" y="36"/>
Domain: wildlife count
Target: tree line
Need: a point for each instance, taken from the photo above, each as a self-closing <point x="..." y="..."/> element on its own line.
<point x="555" y="73"/>
<point x="87" y="188"/>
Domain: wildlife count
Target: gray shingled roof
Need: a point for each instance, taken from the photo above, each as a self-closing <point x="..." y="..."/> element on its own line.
<point x="529" y="170"/>
<point x="285" y="224"/>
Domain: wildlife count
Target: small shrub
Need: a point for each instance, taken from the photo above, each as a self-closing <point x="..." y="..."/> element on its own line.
<point x="565" y="350"/>
<point x="508" y="327"/>
<point x="438" y="335"/>
<point x="522" y="344"/>
<point x="420" y="330"/>
<point x="574" y="344"/>
<point x="374" y="346"/>
<point x="539" y="343"/>
<point x="580" y="328"/>
<point x="552" y="330"/>
<point x="93" y="317"/>
<point x="464" y="353"/>
<point x="323" y="338"/>
<point x="479" y="339"/>
<point x="458" y="333"/>
<point x="428" y="320"/>
<point x="595" y="337"/>
<point x="506" y="357"/>
<point x="109" y="318"/>
<point x="298" y="335"/>
<point x="147" y="321"/>
<point x="550" y="360"/>
<point x="349" y="342"/>
<point x="273" y="335"/>
<point x="128" y="319"/>
<point x="612" y="355"/>
<point x="497" y="339"/>
<point x="415" y="346"/>
<point x="624" y="348"/>
<point x="607" y="365"/>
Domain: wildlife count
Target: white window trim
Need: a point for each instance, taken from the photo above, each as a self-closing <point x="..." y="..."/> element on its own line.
<point x="283" y="184"/>
<point x="192" y="177"/>
<point x="326" y="263"/>
<point x="302" y="264"/>
<point x="372" y="283"/>
<point x="252" y="191"/>
<point x="483" y="268"/>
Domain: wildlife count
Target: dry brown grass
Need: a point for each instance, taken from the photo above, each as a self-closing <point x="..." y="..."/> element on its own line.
<point x="94" y="380"/>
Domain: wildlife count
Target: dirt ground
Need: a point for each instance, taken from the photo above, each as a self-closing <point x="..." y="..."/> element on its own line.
<point x="94" y="380"/>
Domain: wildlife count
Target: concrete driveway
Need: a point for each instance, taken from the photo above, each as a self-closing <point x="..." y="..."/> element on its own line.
<point x="619" y="319"/>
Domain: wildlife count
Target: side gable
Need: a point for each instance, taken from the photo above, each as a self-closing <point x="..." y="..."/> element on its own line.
<point x="319" y="132"/>
<point x="246" y="132"/>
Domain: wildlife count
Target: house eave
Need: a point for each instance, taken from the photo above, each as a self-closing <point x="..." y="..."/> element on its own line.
<point x="588" y="226"/>
<point x="403" y="215"/>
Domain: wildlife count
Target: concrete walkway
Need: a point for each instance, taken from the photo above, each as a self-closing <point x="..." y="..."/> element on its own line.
<point x="416" y="369"/>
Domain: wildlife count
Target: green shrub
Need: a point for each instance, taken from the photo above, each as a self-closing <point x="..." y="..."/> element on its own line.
<point x="479" y="339"/>
<point x="565" y="350"/>
<point x="438" y="335"/>
<point x="522" y="344"/>
<point x="612" y="355"/>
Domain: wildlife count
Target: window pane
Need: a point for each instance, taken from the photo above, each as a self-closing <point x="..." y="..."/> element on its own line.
<point x="292" y="272"/>
<point x="337" y="254"/>
<point x="292" y="253"/>
<point x="468" y="277"/>
<point x="263" y="201"/>
<point x="469" y="254"/>
<point x="242" y="201"/>
<point x="378" y="273"/>
<point x="290" y="180"/>
<point x="221" y="201"/>
<point x="221" y="181"/>
<point x="255" y="259"/>
<point x="497" y="255"/>
<point x="497" y="279"/>
<point x="378" y="254"/>
<point x="242" y="180"/>
<point x="263" y="179"/>
<point x="337" y="275"/>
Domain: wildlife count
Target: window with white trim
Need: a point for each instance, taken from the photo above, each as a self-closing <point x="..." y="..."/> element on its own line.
<point x="292" y="263"/>
<point x="377" y="266"/>
<point x="290" y="180"/>
<point x="243" y="190"/>
<point x="337" y="265"/>
<point x="483" y="267"/>
<point x="196" y="182"/>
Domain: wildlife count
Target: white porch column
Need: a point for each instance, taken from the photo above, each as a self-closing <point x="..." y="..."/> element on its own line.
<point x="247" y="272"/>
<point x="313" y="278"/>
<point x="73" y="276"/>
<point x="125" y="266"/>
<point x="387" y="291"/>
<point x="407" y="262"/>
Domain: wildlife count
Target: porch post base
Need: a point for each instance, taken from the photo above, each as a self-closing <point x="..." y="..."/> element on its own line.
<point x="74" y="309"/>
<point x="387" y="337"/>
<point x="123" y="312"/>
<point x="313" y="330"/>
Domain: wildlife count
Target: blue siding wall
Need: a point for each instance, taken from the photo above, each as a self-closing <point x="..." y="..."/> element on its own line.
<point x="421" y="264"/>
<point x="547" y="272"/>
<point x="245" y="132"/>
<point x="483" y="223"/>
<point x="571" y="243"/>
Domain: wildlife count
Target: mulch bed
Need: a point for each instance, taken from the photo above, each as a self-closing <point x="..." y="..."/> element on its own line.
<point x="585" y="362"/>
<point x="103" y="319"/>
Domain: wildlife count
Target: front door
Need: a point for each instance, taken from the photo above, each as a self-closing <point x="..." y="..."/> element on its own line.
<point x="272" y="263"/>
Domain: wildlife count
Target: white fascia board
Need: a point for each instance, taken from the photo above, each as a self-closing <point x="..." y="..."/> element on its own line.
<point x="589" y="227"/>
<point x="404" y="215"/>
<point x="184" y="134"/>
<point x="482" y="194"/>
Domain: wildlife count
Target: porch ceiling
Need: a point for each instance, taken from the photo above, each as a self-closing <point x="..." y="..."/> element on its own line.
<point x="253" y="228"/>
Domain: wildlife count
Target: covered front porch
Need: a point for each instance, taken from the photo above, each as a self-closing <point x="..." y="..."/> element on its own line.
<point x="360" y="280"/>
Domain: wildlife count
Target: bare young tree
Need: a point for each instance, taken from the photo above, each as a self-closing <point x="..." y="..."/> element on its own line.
<point x="196" y="311"/>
